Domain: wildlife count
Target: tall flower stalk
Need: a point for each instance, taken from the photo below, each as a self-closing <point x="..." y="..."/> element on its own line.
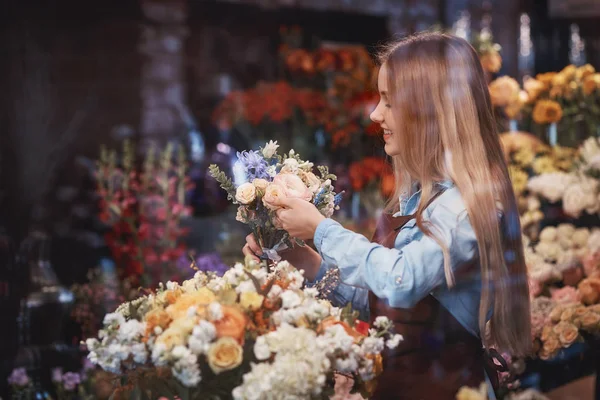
<point x="143" y="208"/>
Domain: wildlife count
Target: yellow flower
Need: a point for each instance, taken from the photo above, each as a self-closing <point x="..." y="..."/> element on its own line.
<point x="591" y="83"/>
<point x="224" y="355"/>
<point x="504" y="91"/>
<point x="202" y="297"/>
<point x="546" y="78"/>
<point x="547" y="112"/>
<point x="584" y="71"/>
<point x="518" y="178"/>
<point x="251" y="300"/>
<point x="491" y="61"/>
<point x="569" y="72"/>
<point x="524" y="156"/>
<point x="176" y="333"/>
<point x="543" y="165"/>
<point x="467" y="393"/>
<point x="560" y="80"/>
<point x="534" y="88"/>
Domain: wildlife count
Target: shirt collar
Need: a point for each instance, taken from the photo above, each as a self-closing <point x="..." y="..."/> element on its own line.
<point x="408" y="202"/>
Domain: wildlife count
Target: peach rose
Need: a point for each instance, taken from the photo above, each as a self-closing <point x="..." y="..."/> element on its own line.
<point x="567" y="294"/>
<point x="556" y="313"/>
<point x="504" y="91"/>
<point x="589" y="289"/>
<point x="547" y="332"/>
<point x="569" y="335"/>
<point x="534" y="88"/>
<point x="590" y="321"/>
<point x="233" y="324"/>
<point x="273" y="193"/>
<point x="551" y="345"/>
<point x="225" y="354"/>
<point x="591" y="263"/>
<point x="293" y="185"/>
<point x="245" y="193"/>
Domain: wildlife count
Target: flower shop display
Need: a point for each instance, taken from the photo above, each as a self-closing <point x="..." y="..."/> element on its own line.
<point x="253" y="333"/>
<point x="143" y="207"/>
<point x="271" y="177"/>
<point x="560" y="107"/>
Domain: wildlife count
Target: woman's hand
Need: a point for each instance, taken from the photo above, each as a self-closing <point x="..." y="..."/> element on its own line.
<point x="301" y="257"/>
<point x="298" y="217"/>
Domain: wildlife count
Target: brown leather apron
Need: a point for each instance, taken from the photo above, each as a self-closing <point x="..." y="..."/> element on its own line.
<point x="438" y="355"/>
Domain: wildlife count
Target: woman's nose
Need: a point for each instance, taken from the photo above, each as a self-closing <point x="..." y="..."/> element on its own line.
<point x="376" y="116"/>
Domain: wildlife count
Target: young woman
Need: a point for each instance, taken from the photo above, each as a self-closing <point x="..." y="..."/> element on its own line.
<point x="447" y="260"/>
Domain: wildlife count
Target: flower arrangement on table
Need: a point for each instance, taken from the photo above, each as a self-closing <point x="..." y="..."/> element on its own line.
<point x="570" y="98"/>
<point x="271" y="177"/>
<point x="253" y="333"/>
<point x="143" y="209"/>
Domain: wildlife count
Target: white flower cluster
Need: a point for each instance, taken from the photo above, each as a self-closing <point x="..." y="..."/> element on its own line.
<point x="303" y="361"/>
<point x="551" y="186"/>
<point x="559" y="248"/>
<point x="590" y="153"/>
<point x="119" y="344"/>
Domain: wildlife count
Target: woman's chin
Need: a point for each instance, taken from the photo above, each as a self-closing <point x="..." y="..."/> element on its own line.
<point x="390" y="150"/>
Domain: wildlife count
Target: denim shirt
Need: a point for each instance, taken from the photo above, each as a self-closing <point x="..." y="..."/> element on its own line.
<point x="413" y="269"/>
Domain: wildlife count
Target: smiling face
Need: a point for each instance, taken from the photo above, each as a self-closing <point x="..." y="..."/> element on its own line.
<point x="383" y="116"/>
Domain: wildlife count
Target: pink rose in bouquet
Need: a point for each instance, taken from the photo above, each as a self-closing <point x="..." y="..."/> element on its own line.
<point x="567" y="294"/>
<point x="293" y="185"/>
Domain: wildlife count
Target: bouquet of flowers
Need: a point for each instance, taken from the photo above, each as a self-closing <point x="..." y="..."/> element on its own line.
<point x="253" y="333"/>
<point x="271" y="177"/>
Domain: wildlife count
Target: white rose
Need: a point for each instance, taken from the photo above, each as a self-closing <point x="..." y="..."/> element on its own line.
<point x="394" y="341"/>
<point x="270" y="149"/>
<point x="311" y="180"/>
<point x="566" y="230"/>
<point x="245" y="193"/>
<point x="580" y="237"/>
<point x="290" y="299"/>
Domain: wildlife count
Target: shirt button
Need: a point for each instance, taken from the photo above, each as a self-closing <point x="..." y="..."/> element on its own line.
<point x="398" y="280"/>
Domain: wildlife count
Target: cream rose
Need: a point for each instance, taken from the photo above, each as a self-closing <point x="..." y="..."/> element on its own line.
<point x="293" y="185"/>
<point x="273" y="193"/>
<point x="224" y="355"/>
<point x="311" y="180"/>
<point x="251" y="300"/>
<point x="260" y="184"/>
<point x="245" y="193"/>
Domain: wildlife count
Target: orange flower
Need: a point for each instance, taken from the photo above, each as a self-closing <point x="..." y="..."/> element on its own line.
<point x="388" y="184"/>
<point x="504" y="91"/>
<point x="547" y="112"/>
<point x="202" y="297"/>
<point x="156" y="317"/>
<point x="591" y="83"/>
<point x="331" y="321"/>
<point x="233" y="324"/>
<point x="546" y="78"/>
<point x="491" y="61"/>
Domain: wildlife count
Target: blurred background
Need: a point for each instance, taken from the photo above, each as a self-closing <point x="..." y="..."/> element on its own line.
<point x="99" y="96"/>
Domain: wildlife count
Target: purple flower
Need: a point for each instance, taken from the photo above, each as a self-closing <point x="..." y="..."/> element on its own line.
<point x="254" y="164"/>
<point x="19" y="377"/>
<point x="57" y="375"/>
<point x="71" y="380"/>
<point x="211" y="262"/>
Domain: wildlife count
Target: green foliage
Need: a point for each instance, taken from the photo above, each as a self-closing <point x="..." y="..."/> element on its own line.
<point x="225" y="182"/>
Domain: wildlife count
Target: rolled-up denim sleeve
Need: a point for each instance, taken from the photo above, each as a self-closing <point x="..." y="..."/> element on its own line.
<point x="342" y="294"/>
<point x="403" y="275"/>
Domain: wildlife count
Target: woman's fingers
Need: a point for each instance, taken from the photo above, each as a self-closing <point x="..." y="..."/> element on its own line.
<point x="253" y="245"/>
<point x="248" y="252"/>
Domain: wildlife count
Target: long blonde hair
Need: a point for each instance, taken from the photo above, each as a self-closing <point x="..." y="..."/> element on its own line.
<point x="441" y="105"/>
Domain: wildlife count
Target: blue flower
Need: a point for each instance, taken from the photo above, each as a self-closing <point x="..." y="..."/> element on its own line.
<point x="254" y="164"/>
